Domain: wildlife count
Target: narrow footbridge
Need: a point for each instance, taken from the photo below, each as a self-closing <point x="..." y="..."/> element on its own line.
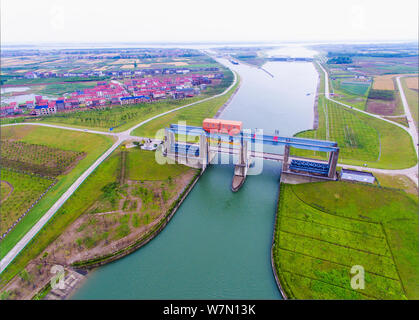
<point x="246" y="145"/>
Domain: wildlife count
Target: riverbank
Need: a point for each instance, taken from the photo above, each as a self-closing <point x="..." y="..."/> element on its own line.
<point x="150" y="235"/>
<point x="274" y="269"/>
<point x="225" y="105"/>
<point x="97" y="238"/>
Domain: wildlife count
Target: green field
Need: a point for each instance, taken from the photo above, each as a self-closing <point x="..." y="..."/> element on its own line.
<point x="26" y="188"/>
<point x="91" y="144"/>
<point x="79" y="202"/>
<point x="359" y="88"/>
<point x="361" y="138"/>
<point x="323" y="229"/>
<point x="59" y="89"/>
<point x="193" y="115"/>
<point x="141" y="165"/>
<point x="350" y="94"/>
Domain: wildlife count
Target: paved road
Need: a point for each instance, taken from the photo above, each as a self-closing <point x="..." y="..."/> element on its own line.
<point x="121" y="137"/>
<point x="412" y="125"/>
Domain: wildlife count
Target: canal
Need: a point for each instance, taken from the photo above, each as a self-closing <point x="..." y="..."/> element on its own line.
<point x="217" y="246"/>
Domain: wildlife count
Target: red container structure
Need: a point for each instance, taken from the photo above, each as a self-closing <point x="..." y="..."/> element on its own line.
<point x="222" y="126"/>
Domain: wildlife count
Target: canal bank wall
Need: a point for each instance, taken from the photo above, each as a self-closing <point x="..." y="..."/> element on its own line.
<point x="274" y="270"/>
<point x="225" y="105"/>
<point x="316" y="101"/>
<point x="102" y="260"/>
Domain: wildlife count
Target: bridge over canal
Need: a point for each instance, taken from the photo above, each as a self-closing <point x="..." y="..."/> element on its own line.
<point x="248" y="145"/>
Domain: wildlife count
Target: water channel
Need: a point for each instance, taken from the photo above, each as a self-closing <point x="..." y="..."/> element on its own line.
<point x="218" y="244"/>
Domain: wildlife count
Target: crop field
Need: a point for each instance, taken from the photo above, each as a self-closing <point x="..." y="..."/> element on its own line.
<point x="384" y="82"/>
<point x="362" y="139"/>
<point x="80" y="142"/>
<point x="323" y="229"/>
<point x="109" y="208"/>
<point x="357" y="88"/>
<point x="59" y="89"/>
<point x="193" y="115"/>
<point x="412" y="83"/>
<point x="23" y="190"/>
<point x="36" y="158"/>
<point x="354" y="95"/>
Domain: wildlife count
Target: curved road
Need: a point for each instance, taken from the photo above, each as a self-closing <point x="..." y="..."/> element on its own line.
<point x="121" y="137"/>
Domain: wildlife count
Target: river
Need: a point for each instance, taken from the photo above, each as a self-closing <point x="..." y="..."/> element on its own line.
<point x="218" y="244"/>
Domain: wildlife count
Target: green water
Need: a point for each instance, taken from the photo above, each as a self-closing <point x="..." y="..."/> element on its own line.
<point x="218" y="243"/>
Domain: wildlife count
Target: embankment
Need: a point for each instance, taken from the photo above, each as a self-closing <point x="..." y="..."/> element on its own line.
<point x="151" y="234"/>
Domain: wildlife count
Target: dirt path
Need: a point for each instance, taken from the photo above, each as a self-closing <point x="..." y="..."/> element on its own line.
<point x="10" y="192"/>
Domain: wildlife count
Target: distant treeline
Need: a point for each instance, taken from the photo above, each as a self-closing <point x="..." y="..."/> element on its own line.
<point x="372" y="54"/>
<point x="340" y="60"/>
<point x="381" y="94"/>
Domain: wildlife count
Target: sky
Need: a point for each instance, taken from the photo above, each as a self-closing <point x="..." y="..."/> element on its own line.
<point x="44" y="21"/>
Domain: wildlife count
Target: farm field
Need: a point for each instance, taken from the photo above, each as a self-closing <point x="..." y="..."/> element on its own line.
<point x="319" y="238"/>
<point x="20" y="192"/>
<point x="108" y="212"/>
<point x="37" y="158"/>
<point x="412" y="83"/>
<point x="362" y="139"/>
<point x="384" y="82"/>
<point x="193" y="116"/>
<point x="412" y="97"/>
<point x="351" y="93"/>
<point x="89" y="144"/>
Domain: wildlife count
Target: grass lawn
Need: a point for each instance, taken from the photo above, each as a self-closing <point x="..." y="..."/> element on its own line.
<point x="58" y="89"/>
<point x="325" y="228"/>
<point x="141" y="165"/>
<point x="361" y="138"/>
<point x="412" y="100"/>
<point x="193" y="115"/>
<point x="26" y="188"/>
<point x="93" y="145"/>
